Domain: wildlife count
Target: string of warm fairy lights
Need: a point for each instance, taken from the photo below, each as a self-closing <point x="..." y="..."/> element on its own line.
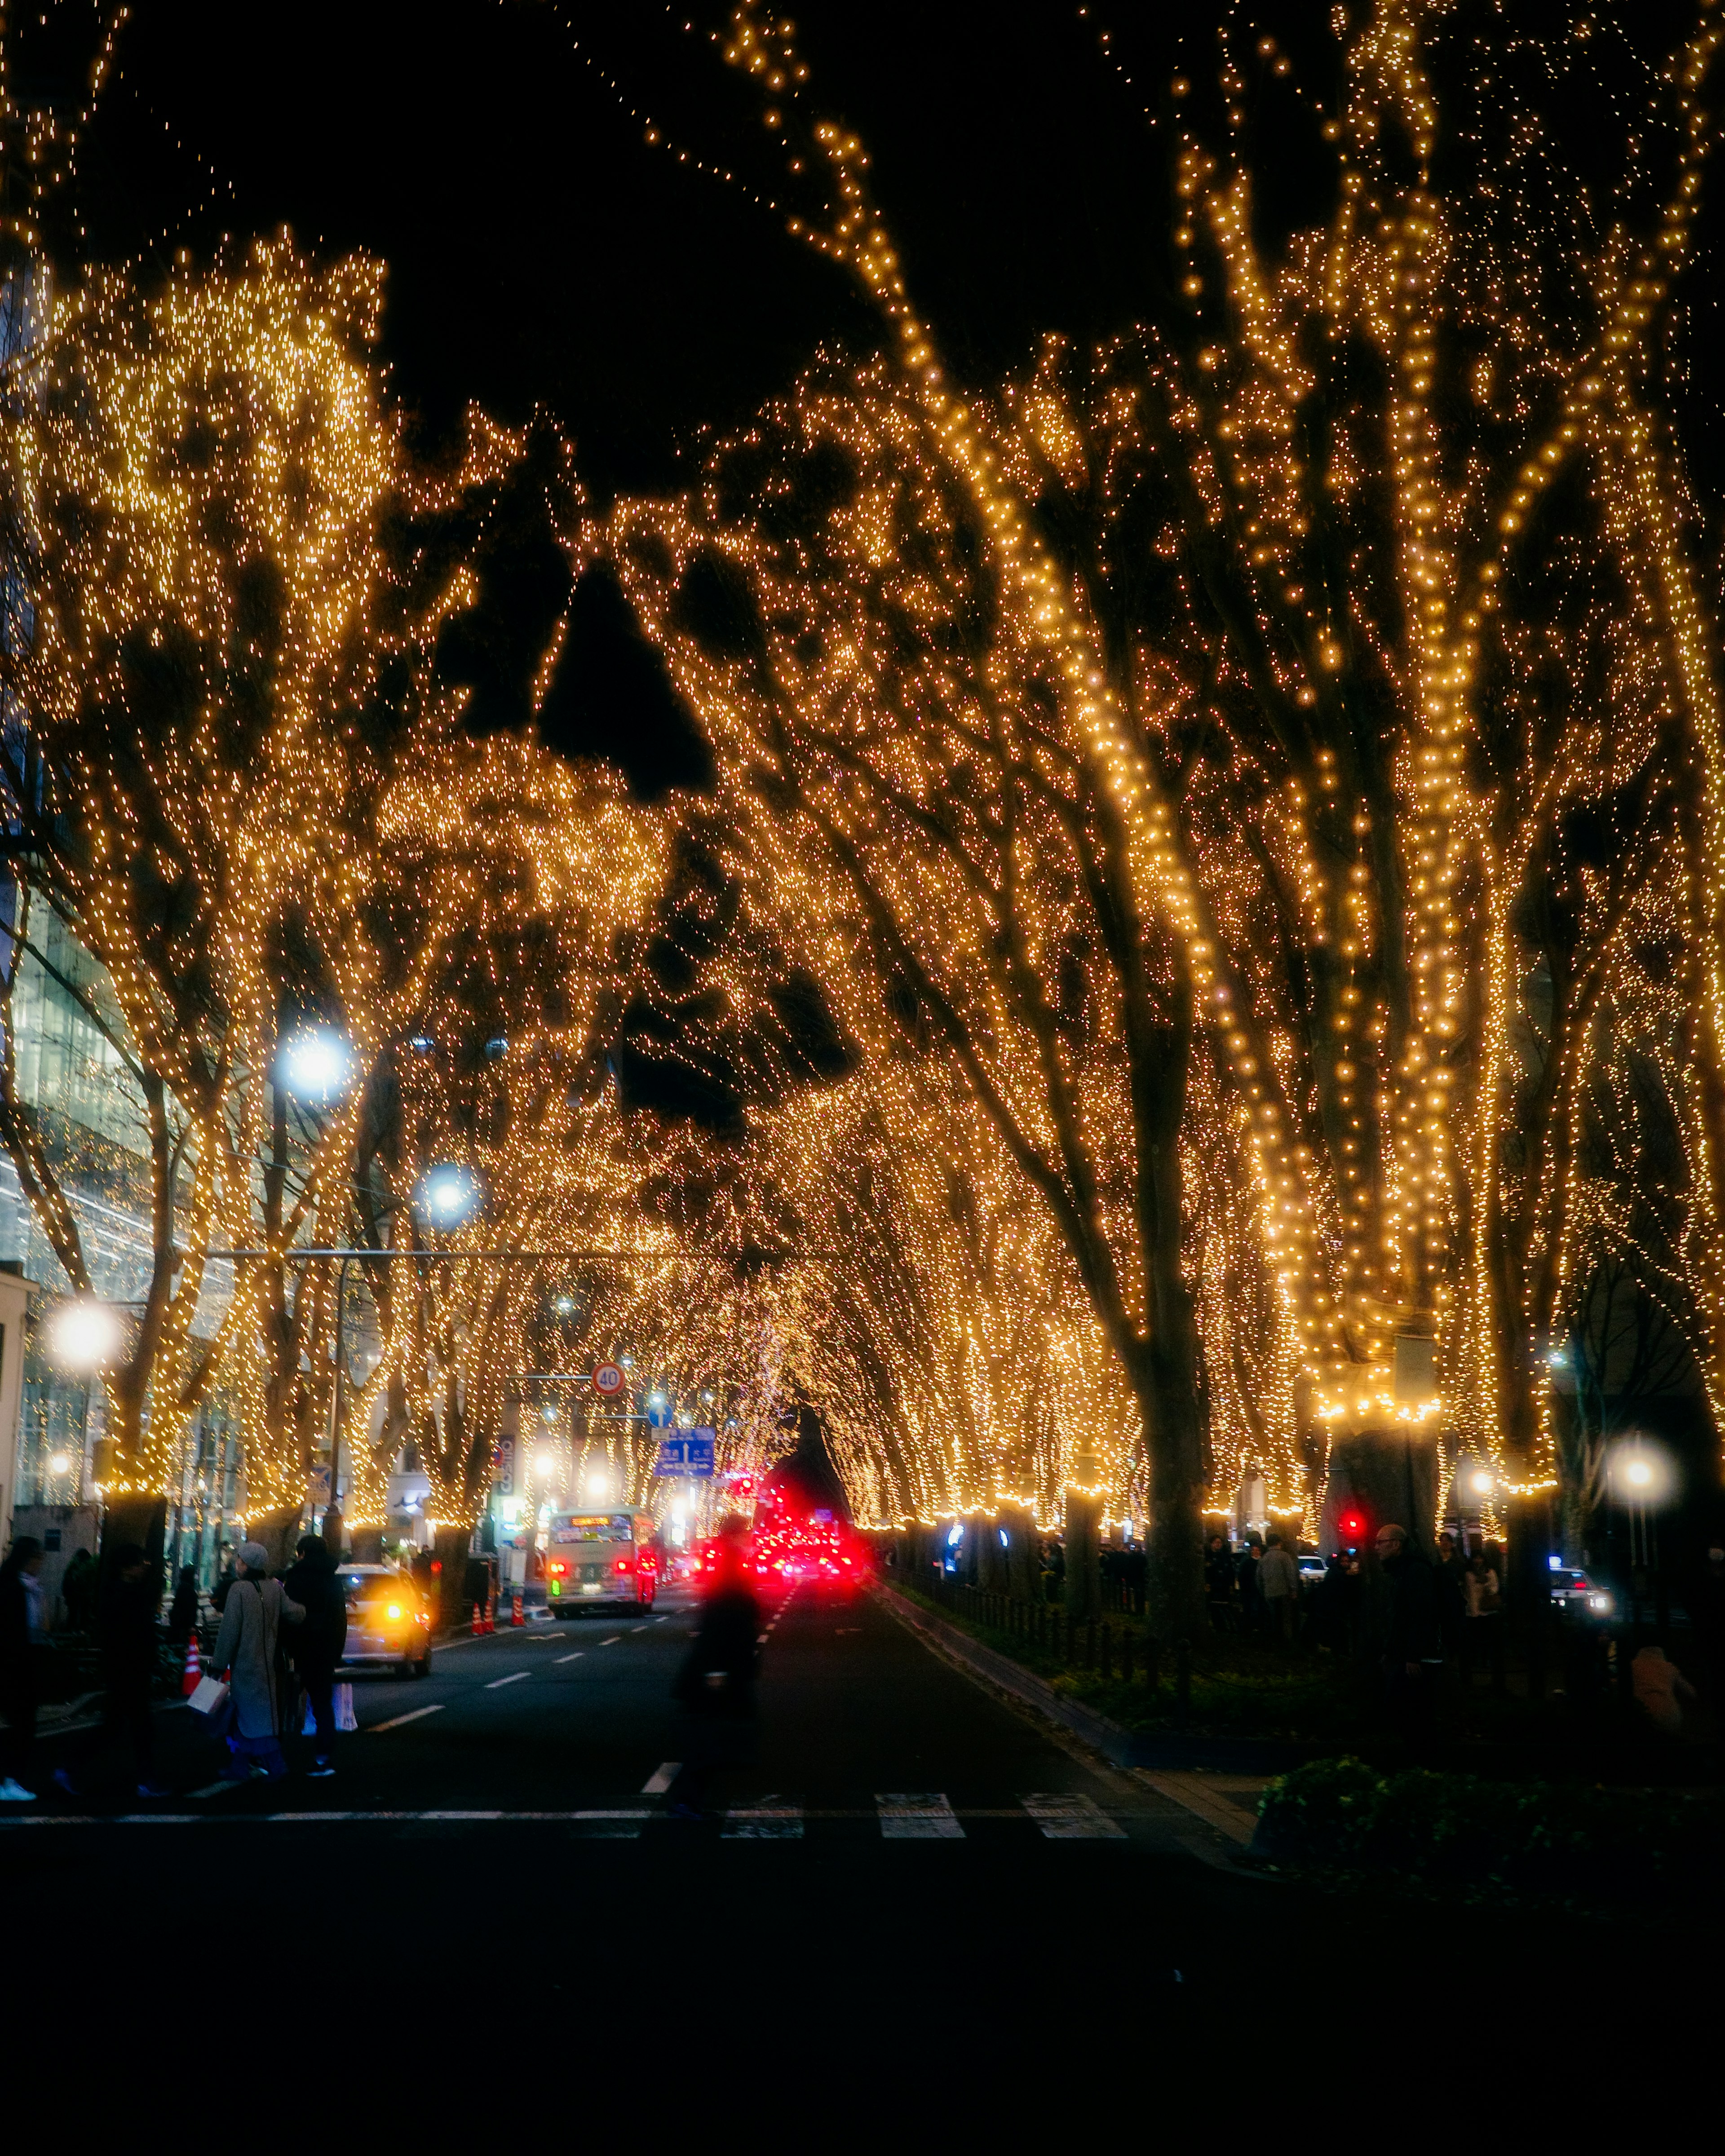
<point x="1365" y="1136"/>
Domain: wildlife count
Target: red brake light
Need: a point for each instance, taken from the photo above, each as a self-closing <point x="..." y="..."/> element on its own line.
<point x="557" y="1569"/>
<point x="623" y="1564"/>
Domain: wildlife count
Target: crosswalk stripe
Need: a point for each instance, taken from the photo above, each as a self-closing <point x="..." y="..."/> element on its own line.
<point x="929" y="1818"/>
<point x="767" y="1822"/>
<point x="1073" y="1819"/>
<point x="395" y="1721"/>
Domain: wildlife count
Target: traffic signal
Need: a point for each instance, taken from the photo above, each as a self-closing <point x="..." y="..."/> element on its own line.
<point x="1352" y="1521"/>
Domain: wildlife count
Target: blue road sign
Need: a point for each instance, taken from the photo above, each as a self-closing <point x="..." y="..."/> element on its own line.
<point x="687" y="1452"/>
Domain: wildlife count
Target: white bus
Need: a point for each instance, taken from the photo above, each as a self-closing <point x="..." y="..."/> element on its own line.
<point x="597" y="1560"/>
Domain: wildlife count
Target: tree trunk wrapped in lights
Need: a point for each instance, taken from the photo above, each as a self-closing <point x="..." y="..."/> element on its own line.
<point x="1345" y="596"/>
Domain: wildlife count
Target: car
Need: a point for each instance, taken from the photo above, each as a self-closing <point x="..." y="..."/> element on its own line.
<point x="389" y="1624"/>
<point x="1576" y="1595"/>
<point x="1314" y="1568"/>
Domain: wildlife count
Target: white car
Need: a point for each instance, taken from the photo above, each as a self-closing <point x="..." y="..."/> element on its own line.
<point x="388" y="1622"/>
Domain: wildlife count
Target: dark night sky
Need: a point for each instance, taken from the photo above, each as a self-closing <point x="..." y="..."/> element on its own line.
<point x="539" y="250"/>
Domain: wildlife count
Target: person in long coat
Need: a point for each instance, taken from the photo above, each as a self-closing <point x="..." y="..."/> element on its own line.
<point x="246" y="1648"/>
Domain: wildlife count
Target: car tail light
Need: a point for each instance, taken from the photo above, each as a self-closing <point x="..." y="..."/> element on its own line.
<point x="558" y="1570"/>
<point x="623" y="1564"/>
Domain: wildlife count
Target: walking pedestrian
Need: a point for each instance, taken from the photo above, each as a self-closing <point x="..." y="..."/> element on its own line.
<point x="715" y="1686"/>
<point x="318" y="1642"/>
<point x="22" y="1637"/>
<point x="1245" y="1584"/>
<point x="1413" y="1647"/>
<point x="1662" y="1691"/>
<point x="1218" y="1585"/>
<point x="126" y="1631"/>
<point x="1450" y="1579"/>
<point x="248" y="1647"/>
<point x="182" y="1611"/>
<point x="77" y="1590"/>
<point x="1279" y="1585"/>
<point x="1482" y="1642"/>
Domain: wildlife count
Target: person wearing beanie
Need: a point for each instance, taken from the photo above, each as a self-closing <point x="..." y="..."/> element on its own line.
<point x="256" y="1610"/>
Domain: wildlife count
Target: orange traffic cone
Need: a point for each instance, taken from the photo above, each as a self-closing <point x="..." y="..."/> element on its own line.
<point x="491" y="1613"/>
<point x="517" y="1617"/>
<point x="478" y="1624"/>
<point x="194" y="1669"/>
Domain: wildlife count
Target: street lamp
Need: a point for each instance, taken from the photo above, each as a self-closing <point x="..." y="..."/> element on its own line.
<point x="314" y="1065"/>
<point x="84" y="1334"/>
<point x="448" y="1195"/>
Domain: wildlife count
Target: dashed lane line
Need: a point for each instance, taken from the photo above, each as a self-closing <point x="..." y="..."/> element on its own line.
<point x="395" y="1720"/>
<point x="612" y="1641"/>
<point x="497" y="1683"/>
<point x="575" y="1657"/>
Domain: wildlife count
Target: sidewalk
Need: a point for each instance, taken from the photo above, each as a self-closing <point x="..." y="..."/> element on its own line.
<point x="1217" y="1780"/>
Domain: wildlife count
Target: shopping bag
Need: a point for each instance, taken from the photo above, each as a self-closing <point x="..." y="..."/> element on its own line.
<point x="346" y="1718"/>
<point x="210" y="1697"/>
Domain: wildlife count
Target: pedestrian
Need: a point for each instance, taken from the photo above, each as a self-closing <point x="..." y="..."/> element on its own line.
<point x="125" y="1630"/>
<point x="715" y="1686"/>
<point x="1279" y="1585"/>
<point x="318" y="1642"/>
<point x="1482" y="1638"/>
<point x="1218" y="1585"/>
<point x="248" y="1648"/>
<point x="1450" y="1578"/>
<point x="77" y="1590"/>
<point x="182" y="1611"/>
<point x="1245" y="1582"/>
<point x="1413" y="1647"/>
<point x="23" y="1638"/>
<point x="225" y="1578"/>
<point x="1662" y="1691"/>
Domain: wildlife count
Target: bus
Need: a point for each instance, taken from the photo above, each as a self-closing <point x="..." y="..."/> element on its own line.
<point x="598" y="1561"/>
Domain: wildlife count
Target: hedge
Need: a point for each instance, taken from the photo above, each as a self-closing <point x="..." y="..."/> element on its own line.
<point x="1541" y="1837"/>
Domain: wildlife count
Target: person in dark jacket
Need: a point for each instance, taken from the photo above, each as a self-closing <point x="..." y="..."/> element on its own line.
<point x="317" y="1645"/>
<point x="716" y="1684"/>
<point x="21" y="1643"/>
<point x="77" y="1590"/>
<point x="182" y="1611"/>
<point x="1219" y="1584"/>
<point x="1412" y="1643"/>
<point x="1449" y="1578"/>
<point x="126" y="1634"/>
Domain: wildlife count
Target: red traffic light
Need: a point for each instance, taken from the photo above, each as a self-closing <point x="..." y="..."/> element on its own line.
<point x="1353" y="1526"/>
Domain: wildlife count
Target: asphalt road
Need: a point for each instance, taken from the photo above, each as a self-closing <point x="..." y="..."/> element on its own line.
<point x="906" y="1870"/>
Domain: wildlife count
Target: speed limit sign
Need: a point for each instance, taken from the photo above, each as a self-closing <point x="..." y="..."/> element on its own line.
<point x="607" y="1380"/>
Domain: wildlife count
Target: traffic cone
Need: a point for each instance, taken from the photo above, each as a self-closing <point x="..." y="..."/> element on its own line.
<point x="479" y="1626"/>
<point x="517" y="1618"/>
<point x="194" y="1669"/>
<point x="490" y="1613"/>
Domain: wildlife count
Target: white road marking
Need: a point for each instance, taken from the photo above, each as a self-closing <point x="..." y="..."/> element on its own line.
<point x="612" y="1641"/>
<point x="497" y="1682"/>
<point x="766" y="1822"/>
<point x="396" y="1721"/>
<point x="216" y="1789"/>
<point x="1073" y="1819"/>
<point x="918" y="1819"/>
<point x="660" y="1780"/>
<point x="575" y="1657"/>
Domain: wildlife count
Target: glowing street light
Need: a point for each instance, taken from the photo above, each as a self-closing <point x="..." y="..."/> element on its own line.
<point x="1480" y="1483"/>
<point x="315" y="1065"/>
<point x="544" y="1466"/>
<point x="84" y="1334"/>
<point x="58" y="1463"/>
<point x="448" y="1195"/>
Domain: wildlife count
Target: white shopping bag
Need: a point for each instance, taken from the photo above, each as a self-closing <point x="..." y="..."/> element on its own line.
<point x="210" y="1697"/>
<point x="346" y="1718"/>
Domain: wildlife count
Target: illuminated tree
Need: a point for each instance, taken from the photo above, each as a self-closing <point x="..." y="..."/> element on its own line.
<point x="1310" y="655"/>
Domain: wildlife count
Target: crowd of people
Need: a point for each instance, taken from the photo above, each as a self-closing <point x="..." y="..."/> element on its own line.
<point x="277" y="1649"/>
